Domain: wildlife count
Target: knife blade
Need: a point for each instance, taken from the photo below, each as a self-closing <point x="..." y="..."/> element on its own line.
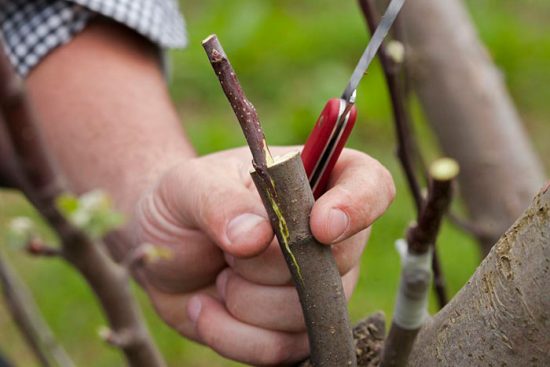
<point x="333" y="127"/>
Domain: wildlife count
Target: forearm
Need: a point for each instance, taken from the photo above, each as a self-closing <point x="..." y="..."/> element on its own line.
<point x="106" y="114"/>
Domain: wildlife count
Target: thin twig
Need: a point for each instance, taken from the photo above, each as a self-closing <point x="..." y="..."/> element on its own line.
<point x="42" y="184"/>
<point x="406" y="144"/>
<point x="243" y="109"/>
<point x="28" y="319"/>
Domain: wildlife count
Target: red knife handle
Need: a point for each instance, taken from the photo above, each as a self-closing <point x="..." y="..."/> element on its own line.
<point x="326" y="142"/>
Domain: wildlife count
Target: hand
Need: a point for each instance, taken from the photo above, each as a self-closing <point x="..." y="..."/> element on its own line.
<point x="227" y="284"/>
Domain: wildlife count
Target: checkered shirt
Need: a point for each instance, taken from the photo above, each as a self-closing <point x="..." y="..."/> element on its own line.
<point x="33" y="28"/>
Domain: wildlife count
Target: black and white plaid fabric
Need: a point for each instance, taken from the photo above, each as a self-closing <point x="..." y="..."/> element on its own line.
<point x="33" y="28"/>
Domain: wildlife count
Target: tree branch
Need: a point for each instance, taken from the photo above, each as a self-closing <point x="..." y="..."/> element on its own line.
<point x="500" y="317"/>
<point x="405" y="143"/>
<point x="368" y="336"/>
<point x="42" y="184"/>
<point x="30" y="322"/>
<point x="412" y="300"/>
<point x="243" y="109"/>
<point x="423" y="235"/>
<point x="287" y="197"/>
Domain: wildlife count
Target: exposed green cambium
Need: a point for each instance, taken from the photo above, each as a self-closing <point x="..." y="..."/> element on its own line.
<point x="283" y="228"/>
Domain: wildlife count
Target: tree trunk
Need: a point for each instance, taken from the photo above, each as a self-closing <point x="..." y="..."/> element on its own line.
<point x="502" y="316"/>
<point x="465" y="99"/>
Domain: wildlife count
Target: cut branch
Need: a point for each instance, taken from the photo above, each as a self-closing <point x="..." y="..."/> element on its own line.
<point x="311" y="264"/>
<point x="412" y="300"/>
<point x="423" y="235"/>
<point x="42" y="184"/>
<point x="287" y="197"/>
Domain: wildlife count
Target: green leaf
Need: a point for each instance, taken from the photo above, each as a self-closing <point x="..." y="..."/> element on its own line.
<point x="67" y="204"/>
<point x="92" y="212"/>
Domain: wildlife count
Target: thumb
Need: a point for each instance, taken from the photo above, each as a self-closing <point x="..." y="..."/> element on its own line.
<point x="214" y="199"/>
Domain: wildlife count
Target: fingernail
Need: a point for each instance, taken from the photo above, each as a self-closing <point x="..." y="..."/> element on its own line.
<point x="238" y="230"/>
<point x="338" y="223"/>
<point x="221" y="283"/>
<point x="194" y="309"/>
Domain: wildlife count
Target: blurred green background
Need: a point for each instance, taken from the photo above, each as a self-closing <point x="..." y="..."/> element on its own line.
<point x="291" y="56"/>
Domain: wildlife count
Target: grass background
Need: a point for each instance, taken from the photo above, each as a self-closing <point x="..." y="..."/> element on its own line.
<point x="291" y="56"/>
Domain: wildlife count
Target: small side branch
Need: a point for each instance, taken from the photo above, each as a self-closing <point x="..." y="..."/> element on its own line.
<point x="287" y="197"/>
<point x="30" y="322"/>
<point x="411" y="308"/>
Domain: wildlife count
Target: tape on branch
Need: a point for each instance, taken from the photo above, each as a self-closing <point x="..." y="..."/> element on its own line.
<point x="411" y="309"/>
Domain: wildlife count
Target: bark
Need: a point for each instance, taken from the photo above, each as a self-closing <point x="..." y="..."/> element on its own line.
<point x="312" y="265"/>
<point x="243" y="109"/>
<point x="415" y="277"/>
<point x="502" y="316"/>
<point x="465" y="99"/>
<point x="422" y="236"/>
<point x="368" y="336"/>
